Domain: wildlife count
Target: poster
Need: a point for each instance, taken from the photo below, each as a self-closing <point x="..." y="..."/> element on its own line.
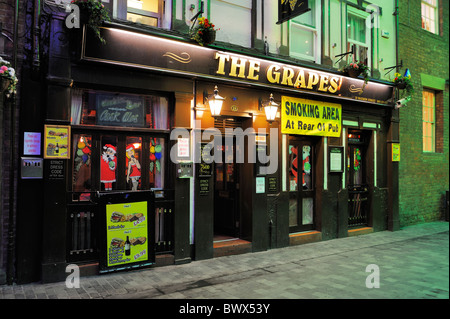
<point x="336" y="159"/>
<point x="308" y="117"/>
<point x="31" y="143"/>
<point x="127" y="233"/>
<point x="57" y="141"/>
<point x="396" y="152"/>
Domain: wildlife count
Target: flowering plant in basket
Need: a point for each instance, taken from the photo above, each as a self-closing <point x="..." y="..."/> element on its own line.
<point x="204" y="32"/>
<point x="355" y="69"/>
<point x="8" y="78"/>
<point x="404" y="83"/>
<point x="94" y="13"/>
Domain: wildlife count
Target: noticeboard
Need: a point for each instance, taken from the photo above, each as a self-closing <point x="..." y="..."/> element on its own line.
<point x="126" y="222"/>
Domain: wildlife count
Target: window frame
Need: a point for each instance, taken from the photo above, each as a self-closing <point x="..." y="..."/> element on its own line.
<point x="121" y="11"/>
<point x="425" y="123"/>
<point x="424" y="18"/>
<point x="368" y="34"/>
<point x="314" y="29"/>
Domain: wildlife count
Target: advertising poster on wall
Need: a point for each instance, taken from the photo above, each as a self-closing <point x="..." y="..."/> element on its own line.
<point x="126" y="233"/>
<point x="57" y="141"/>
<point x="128" y="243"/>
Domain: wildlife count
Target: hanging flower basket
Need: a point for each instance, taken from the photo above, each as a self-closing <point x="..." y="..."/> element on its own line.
<point x="353" y="73"/>
<point x="8" y="78"/>
<point x="356" y="69"/>
<point x="209" y="36"/>
<point x="403" y="83"/>
<point x="204" y="32"/>
<point x="4" y="84"/>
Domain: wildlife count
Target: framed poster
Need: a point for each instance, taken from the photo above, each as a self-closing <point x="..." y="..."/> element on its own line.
<point x="336" y="159"/>
<point x="57" y="141"/>
<point x="127" y="221"/>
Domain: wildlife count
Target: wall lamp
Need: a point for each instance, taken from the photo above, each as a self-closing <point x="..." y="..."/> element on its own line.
<point x="270" y="108"/>
<point x="215" y="101"/>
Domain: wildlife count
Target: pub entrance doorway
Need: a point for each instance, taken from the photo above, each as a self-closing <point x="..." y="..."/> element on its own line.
<point x="232" y="211"/>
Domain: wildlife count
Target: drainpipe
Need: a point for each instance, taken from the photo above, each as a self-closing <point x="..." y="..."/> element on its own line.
<point x="10" y="275"/>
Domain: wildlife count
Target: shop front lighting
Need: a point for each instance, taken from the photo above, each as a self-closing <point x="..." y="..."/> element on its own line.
<point x="271" y="109"/>
<point x="215" y="102"/>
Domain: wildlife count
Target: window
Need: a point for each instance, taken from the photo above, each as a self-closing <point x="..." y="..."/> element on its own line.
<point x="430" y="15"/>
<point x="144" y="12"/>
<point x="120" y="142"/>
<point x="304" y="36"/>
<point x="429" y="120"/>
<point x="154" y="13"/>
<point x="91" y="107"/>
<point x="358" y="35"/>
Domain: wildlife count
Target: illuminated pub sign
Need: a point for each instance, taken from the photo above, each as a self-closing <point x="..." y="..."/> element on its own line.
<point x="181" y="58"/>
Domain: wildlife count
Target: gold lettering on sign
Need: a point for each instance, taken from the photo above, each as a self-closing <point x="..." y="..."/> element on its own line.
<point x="222" y="58"/>
<point x="238" y="65"/>
<point x="296" y="77"/>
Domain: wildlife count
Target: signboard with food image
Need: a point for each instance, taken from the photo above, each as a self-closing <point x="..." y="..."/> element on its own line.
<point x="127" y="233"/>
<point x="57" y="141"/>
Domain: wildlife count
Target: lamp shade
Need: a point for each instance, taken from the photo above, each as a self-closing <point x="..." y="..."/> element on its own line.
<point x="271" y="110"/>
<point x="215" y="103"/>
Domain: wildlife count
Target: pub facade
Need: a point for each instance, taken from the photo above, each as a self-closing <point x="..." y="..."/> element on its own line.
<point x="216" y="149"/>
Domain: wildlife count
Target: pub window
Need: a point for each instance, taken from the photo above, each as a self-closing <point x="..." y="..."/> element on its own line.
<point x="120" y="142"/>
<point x="429" y="120"/>
<point x="358" y="35"/>
<point x="304" y="36"/>
<point x="147" y="12"/>
<point x="430" y="15"/>
<point x="117" y="109"/>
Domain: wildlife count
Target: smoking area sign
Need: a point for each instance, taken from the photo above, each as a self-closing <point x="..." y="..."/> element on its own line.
<point x="309" y="117"/>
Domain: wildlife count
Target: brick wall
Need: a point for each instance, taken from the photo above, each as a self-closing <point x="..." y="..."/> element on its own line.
<point x="423" y="177"/>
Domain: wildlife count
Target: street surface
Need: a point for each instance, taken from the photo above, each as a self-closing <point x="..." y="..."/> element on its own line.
<point x="412" y="263"/>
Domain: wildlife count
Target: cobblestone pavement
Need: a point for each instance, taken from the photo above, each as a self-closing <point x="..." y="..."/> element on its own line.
<point x="412" y="263"/>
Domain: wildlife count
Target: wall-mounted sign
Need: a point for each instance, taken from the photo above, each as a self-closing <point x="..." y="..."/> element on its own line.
<point x="308" y="117"/>
<point x="396" y="152"/>
<point x="183" y="147"/>
<point x="206" y="160"/>
<point x="204" y="186"/>
<point x="288" y="9"/>
<point x="31" y="143"/>
<point x="273" y="184"/>
<point x="57" y="141"/>
<point x="57" y="169"/>
<point x="183" y="59"/>
<point x="120" y="110"/>
<point x="260" y="185"/>
<point x="336" y="159"/>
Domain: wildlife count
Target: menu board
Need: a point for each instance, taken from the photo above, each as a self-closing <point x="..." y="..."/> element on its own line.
<point x="57" y="141"/>
<point x="127" y="233"/>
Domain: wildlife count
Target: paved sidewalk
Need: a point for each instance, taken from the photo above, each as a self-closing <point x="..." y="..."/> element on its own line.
<point x="412" y="263"/>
